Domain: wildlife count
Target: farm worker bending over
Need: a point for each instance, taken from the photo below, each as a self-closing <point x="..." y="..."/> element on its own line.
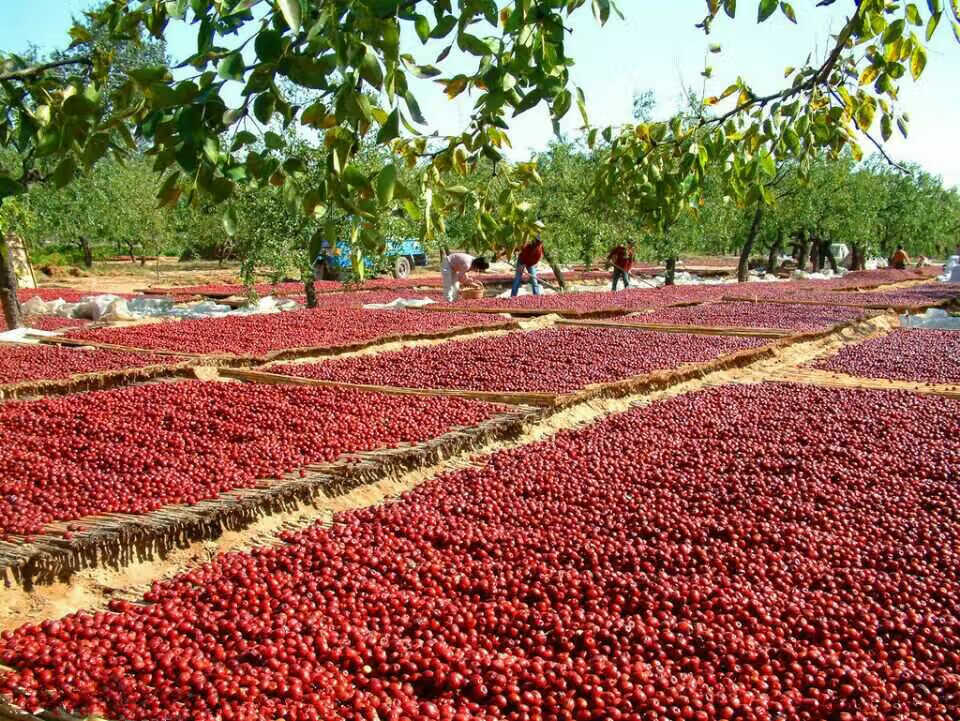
<point x="899" y="259"/>
<point x="455" y="270"/>
<point x="622" y="259"/>
<point x="530" y="254"/>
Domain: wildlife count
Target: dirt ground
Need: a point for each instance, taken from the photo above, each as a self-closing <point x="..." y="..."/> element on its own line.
<point x="124" y="276"/>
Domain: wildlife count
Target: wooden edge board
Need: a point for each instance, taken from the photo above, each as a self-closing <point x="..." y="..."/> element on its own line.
<point x="78" y="343"/>
<point x="897" y="307"/>
<point x="509" y="398"/>
<point x="691" y="329"/>
<point x="325" y="351"/>
<point x="832" y="379"/>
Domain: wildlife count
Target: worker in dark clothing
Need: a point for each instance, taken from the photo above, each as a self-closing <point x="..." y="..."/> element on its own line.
<point x="621" y="258"/>
<point x="530" y="254"/>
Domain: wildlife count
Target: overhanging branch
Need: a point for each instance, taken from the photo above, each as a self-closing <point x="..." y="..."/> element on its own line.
<point x="34" y="70"/>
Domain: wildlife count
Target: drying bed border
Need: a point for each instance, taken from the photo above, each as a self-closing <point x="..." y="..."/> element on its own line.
<point x="118" y="539"/>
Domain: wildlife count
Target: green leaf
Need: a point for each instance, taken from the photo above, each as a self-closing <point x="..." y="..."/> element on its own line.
<point x="422" y="26"/>
<point x="65" y="171"/>
<point x="264" y="106"/>
<point x="370" y="67"/>
<point x="932" y="25"/>
<point x="355" y="177"/>
<point x="314" y="114"/>
<point x="886" y="127"/>
<point x="244" y="137"/>
<point x="269" y="45"/>
<point x="918" y="62"/>
<point x="935" y="6"/>
<point x="561" y="104"/>
<point x="601" y="10"/>
<point x="230" y="221"/>
<point x="272" y="140"/>
<point x="79" y="105"/>
<point x="96" y="147"/>
<point x="390" y="129"/>
<point x="768" y="165"/>
<point x="730" y="7"/>
<point x="291" y="11"/>
<point x="443" y="27"/>
<point x="9" y="186"/>
<point x="956" y="30"/>
<point x="232" y="67"/>
<point x="787" y="10"/>
<point x="414" y="107"/>
<point x="582" y="106"/>
<point x="766" y="9"/>
<point x="313" y="204"/>
<point x="387" y="183"/>
<point x="894" y="31"/>
<point x="473" y="45"/>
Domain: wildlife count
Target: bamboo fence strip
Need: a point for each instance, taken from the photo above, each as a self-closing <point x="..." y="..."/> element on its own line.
<point x="828" y="379"/>
<point x="692" y="329"/>
<point x="100" y="380"/>
<point x="117" y="539"/>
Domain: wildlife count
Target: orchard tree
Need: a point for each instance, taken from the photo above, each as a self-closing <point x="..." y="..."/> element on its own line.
<point x="61" y="115"/>
<point x="660" y="168"/>
<point x="347" y="49"/>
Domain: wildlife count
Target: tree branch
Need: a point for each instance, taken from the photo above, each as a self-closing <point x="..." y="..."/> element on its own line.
<point x="822" y="73"/>
<point x="873" y="140"/>
<point x="34" y="70"/>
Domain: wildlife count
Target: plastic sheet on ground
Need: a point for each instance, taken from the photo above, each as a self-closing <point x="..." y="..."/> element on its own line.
<point x="825" y="274"/>
<point x="400" y="303"/>
<point x="951" y="272"/>
<point x="935" y="318"/>
<point x="23" y="335"/>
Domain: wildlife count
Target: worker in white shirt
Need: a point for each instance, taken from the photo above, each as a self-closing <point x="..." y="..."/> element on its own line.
<point x="456" y="269"/>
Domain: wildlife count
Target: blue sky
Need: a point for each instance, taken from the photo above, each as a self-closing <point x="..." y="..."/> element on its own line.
<point x="655" y="47"/>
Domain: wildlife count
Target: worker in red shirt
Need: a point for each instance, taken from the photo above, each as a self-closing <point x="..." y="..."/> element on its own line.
<point x="530" y="254"/>
<point x="899" y="260"/>
<point x="621" y="258"/>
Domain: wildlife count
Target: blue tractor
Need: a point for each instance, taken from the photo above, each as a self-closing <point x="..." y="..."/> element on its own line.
<point x="400" y="258"/>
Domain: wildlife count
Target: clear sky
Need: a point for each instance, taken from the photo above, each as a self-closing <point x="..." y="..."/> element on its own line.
<point x="656" y="47"/>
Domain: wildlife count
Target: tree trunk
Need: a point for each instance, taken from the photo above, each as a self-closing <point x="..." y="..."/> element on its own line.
<point x="815" y="249"/>
<point x="8" y="287"/>
<point x="772" y="266"/>
<point x="311" y="290"/>
<point x="856" y="257"/>
<point x="671" y="270"/>
<point x="557" y="273"/>
<point x="87" y="253"/>
<point x="804" y="251"/>
<point x="826" y="253"/>
<point x="130" y="249"/>
<point x="743" y="267"/>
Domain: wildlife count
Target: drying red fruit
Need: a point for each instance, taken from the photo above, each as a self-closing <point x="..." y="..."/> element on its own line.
<point x="47" y="362"/>
<point x="755" y="315"/>
<point x="260" y="334"/>
<point x="135" y="449"/>
<point x="554" y="360"/>
<point x="925" y="355"/>
<point x="746" y="552"/>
